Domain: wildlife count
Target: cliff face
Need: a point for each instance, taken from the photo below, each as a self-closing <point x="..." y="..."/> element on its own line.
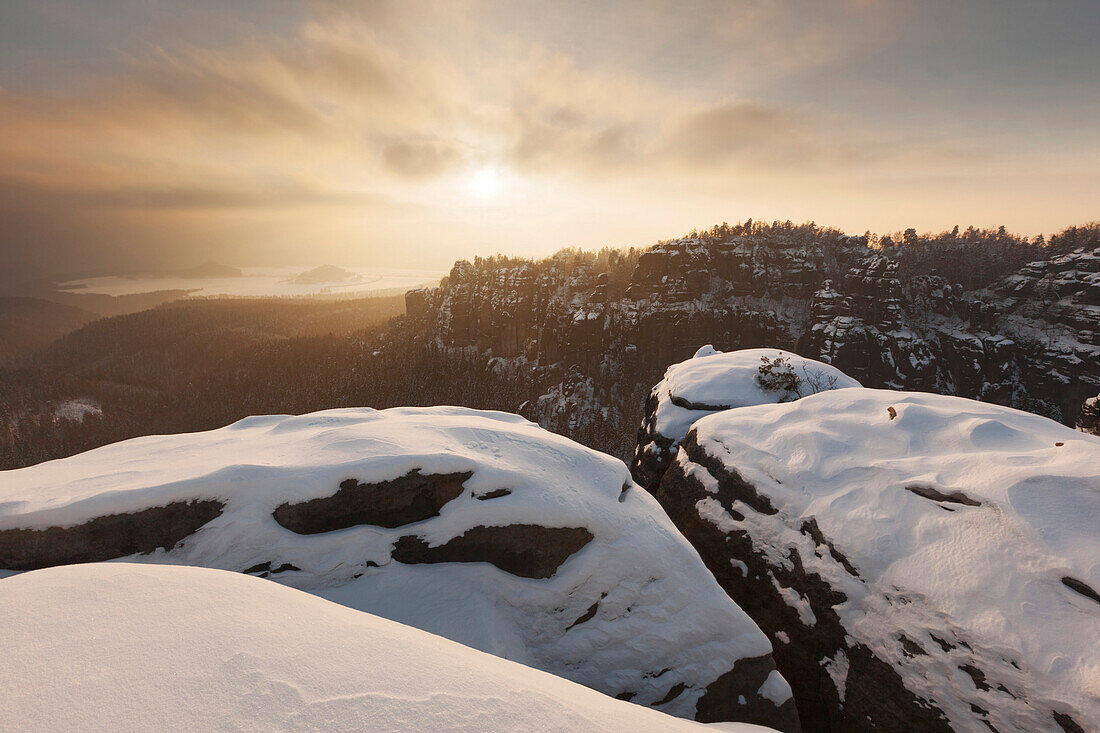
<point x="594" y="333"/>
<point x="1029" y="341"/>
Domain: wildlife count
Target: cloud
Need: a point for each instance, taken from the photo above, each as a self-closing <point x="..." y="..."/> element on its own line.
<point x="370" y="111"/>
<point x="418" y="158"/>
<point x="737" y="132"/>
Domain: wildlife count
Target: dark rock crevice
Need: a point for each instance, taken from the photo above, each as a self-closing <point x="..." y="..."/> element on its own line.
<point x="810" y="527"/>
<point x="1079" y="587"/>
<point x="407" y="499"/>
<point x="719" y="702"/>
<point x="674" y="692"/>
<point x="1067" y="723"/>
<point x="586" y="616"/>
<point x="699" y="406"/>
<point x="950" y="497"/>
<point x="526" y="550"/>
<point x="494" y="494"/>
<point x="107" y="537"/>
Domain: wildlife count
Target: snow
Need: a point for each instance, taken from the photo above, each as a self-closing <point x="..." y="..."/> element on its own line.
<point x="657" y="606"/>
<point x="989" y="576"/>
<point x="715" y="380"/>
<point x="77" y="409"/>
<point x="262" y="282"/>
<point x="171" y="648"/>
<point x="776" y="689"/>
<point x="837" y="668"/>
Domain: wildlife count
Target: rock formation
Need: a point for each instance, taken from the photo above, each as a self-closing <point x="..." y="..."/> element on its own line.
<point x="478" y="526"/>
<point x="713" y="381"/>
<point x="920" y="562"/>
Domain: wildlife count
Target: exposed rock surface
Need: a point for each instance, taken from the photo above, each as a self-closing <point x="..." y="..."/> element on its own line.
<point x="526" y="550"/>
<point x="1029" y="341"/>
<point x="106" y="537"/>
<point x="921" y="562"/>
<point x="413" y="497"/>
<point x="1088" y="420"/>
<point x="478" y="526"/>
<point x="713" y="381"/>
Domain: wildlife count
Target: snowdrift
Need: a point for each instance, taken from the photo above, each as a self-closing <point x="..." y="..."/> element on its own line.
<point x="477" y="526"/>
<point x="126" y="647"/>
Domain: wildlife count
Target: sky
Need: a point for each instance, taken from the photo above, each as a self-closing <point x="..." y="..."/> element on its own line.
<point x="147" y="134"/>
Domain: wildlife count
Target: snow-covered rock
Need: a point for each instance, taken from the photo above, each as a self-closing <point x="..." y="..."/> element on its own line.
<point x="550" y="555"/>
<point x="923" y="562"/>
<point x="713" y="381"/>
<point x="126" y="647"/>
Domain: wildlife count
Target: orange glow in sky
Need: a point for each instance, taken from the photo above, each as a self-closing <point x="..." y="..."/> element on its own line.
<point x="415" y="133"/>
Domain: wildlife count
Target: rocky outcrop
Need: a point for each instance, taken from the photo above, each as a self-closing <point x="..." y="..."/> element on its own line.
<point x="713" y="381"/>
<point x="917" y="560"/>
<point x="477" y="526"/>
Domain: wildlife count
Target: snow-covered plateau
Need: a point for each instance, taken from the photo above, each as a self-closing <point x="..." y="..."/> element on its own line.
<point x="128" y="647"/>
<point x="923" y="562"/>
<point x="477" y="526"/>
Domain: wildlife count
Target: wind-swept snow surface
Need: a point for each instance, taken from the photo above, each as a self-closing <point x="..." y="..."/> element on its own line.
<point x="955" y="541"/>
<point x="550" y="555"/>
<point x="126" y="647"/>
<point x="713" y="381"/>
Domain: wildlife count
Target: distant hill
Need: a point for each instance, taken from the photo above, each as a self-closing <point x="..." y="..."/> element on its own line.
<point x="100" y="304"/>
<point x="323" y="274"/>
<point x="209" y="269"/>
<point x="27" y="324"/>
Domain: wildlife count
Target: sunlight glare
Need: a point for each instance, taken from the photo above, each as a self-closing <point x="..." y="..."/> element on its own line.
<point x="485" y="183"/>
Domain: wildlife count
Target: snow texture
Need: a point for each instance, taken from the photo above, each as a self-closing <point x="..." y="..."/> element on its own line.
<point x="961" y="518"/>
<point x="634" y="601"/>
<point x="127" y="647"/>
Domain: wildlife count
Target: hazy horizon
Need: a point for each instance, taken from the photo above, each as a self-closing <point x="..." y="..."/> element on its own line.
<point x="146" y="135"/>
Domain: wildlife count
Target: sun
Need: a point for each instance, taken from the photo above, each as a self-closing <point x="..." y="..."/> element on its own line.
<point x="485" y="183"/>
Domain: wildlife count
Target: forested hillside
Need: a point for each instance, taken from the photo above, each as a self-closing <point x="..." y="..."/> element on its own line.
<point x="575" y="341"/>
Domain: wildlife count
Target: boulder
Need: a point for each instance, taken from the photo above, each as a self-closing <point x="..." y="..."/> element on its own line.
<point x="713" y="381"/>
<point x="477" y="526"/>
<point x="921" y="562"/>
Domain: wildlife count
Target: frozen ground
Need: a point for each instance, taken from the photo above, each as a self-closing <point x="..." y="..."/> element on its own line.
<point x="124" y="647"/>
